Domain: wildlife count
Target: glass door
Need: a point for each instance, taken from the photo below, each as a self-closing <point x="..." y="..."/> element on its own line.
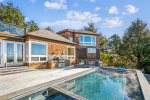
<point x="19" y="52"/>
<point x="0" y="54"/>
<point x="10" y="52"/>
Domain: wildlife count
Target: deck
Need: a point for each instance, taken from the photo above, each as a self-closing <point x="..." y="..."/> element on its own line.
<point x="22" y="83"/>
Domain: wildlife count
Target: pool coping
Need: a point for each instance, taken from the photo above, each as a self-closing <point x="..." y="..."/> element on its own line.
<point x="145" y="86"/>
<point x="39" y="87"/>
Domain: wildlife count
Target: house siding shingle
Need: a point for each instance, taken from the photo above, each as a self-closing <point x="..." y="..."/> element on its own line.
<point x="81" y="51"/>
<point x="54" y="48"/>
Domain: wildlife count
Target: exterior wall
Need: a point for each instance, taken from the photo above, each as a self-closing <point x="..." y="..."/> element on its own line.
<point x="81" y="51"/>
<point x="9" y="38"/>
<point x="54" y="48"/>
<point x="38" y="65"/>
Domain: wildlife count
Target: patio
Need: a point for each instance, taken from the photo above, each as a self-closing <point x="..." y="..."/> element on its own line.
<point x="18" y="84"/>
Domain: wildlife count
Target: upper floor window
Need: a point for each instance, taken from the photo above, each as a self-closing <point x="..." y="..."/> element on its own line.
<point x="87" y="40"/>
<point x="91" y="50"/>
<point x="71" y="39"/>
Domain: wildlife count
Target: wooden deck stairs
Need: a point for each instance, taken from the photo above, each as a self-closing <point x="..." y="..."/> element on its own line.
<point x="14" y="70"/>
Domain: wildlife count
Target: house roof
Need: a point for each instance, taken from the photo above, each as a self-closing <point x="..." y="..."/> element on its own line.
<point x="7" y="34"/>
<point x="49" y="35"/>
<point x="78" y="31"/>
<point x="11" y="35"/>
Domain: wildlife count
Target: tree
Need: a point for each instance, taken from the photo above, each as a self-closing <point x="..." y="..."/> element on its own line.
<point x="91" y="27"/>
<point x="103" y="42"/>
<point x="114" y="43"/>
<point x="12" y="15"/>
<point x="32" y="26"/>
<point x="49" y="29"/>
<point x="133" y="40"/>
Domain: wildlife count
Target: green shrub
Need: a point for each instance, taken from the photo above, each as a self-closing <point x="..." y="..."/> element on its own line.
<point x="147" y="70"/>
<point x="116" y="60"/>
<point x="104" y="57"/>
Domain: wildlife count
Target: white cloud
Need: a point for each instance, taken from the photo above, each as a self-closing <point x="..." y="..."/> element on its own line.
<point x="131" y="9"/>
<point x="75" y="20"/>
<point x="123" y="13"/>
<point x="56" y="4"/>
<point x="113" y="22"/>
<point x="26" y="19"/>
<point x="97" y="8"/>
<point x="113" y="10"/>
<point x="1" y="0"/>
<point x="65" y="24"/>
<point x="92" y="0"/>
<point x="83" y="16"/>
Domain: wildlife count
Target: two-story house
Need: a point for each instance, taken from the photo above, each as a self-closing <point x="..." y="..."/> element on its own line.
<point x="87" y="45"/>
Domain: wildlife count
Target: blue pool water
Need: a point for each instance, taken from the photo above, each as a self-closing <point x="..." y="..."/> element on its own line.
<point x="94" y="86"/>
<point x="97" y="86"/>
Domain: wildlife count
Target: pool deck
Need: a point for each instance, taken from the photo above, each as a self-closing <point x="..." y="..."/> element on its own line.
<point x="16" y="85"/>
<point x="145" y="86"/>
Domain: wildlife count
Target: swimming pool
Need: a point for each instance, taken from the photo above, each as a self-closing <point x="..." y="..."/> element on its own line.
<point x="95" y="86"/>
<point x="98" y="86"/>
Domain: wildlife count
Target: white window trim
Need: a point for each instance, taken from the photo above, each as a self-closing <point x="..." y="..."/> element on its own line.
<point x="30" y="56"/>
<point x="15" y="50"/>
<point x="90" y="51"/>
<point x="1" y="56"/>
<point x="71" y="56"/>
<point x="83" y="43"/>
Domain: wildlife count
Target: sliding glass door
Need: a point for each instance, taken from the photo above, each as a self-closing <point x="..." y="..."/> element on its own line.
<point x="19" y="52"/>
<point x="10" y="52"/>
<point x="14" y="52"/>
<point x="0" y="54"/>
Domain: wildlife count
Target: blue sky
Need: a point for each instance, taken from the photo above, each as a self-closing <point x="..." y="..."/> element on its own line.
<point x="110" y="16"/>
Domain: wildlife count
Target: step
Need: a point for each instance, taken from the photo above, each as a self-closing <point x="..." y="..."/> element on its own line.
<point x="70" y="86"/>
<point x="14" y="72"/>
<point x="62" y="85"/>
<point x="76" y="89"/>
<point x="14" y="69"/>
<point x="7" y="68"/>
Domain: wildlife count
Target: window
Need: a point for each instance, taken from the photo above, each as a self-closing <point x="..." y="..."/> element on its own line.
<point x="71" y="53"/>
<point x="71" y="39"/>
<point x="14" y="52"/>
<point x="91" y="50"/>
<point x="34" y="58"/>
<point x="27" y="51"/>
<point x="38" y="51"/>
<point x="42" y="58"/>
<point x="19" y="52"/>
<point x="10" y="52"/>
<point x="0" y="53"/>
<point x="87" y="40"/>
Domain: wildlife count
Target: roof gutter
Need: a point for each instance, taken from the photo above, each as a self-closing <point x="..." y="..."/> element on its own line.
<point x="49" y="39"/>
<point x="17" y="37"/>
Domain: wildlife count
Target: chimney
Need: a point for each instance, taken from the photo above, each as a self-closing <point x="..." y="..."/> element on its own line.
<point x="26" y="31"/>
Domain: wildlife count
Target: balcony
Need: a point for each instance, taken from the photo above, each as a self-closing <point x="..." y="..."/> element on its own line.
<point x="11" y="29"/>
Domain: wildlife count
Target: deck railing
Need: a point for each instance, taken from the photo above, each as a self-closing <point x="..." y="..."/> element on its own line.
<point x="11" y="29"/>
